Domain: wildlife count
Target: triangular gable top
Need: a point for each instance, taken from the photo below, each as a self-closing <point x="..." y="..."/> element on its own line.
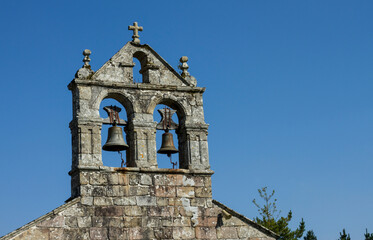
<point x="154" y="69"/>
<point x="246" y="220"/>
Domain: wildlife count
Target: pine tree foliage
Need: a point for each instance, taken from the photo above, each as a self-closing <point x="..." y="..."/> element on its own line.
<point x="344" y="235"/>
<point x="368" y="236"/>
<point x="270" y="217"/>
<point x="310" y="236"/>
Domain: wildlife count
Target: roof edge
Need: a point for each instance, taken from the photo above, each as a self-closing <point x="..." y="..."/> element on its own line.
<point x="167" y="65"/>
<point x="245" y="219"/>
<point x="38" y="220"/>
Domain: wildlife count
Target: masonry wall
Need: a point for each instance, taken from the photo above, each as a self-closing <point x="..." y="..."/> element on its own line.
<point x="130" y="203"/>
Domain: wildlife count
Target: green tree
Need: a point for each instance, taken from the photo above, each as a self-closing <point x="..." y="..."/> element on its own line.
<point x="310" y="236"/>
<point x="344" y="236"/>
<point x="269" y="217"/>
<point x="368" y="236"/>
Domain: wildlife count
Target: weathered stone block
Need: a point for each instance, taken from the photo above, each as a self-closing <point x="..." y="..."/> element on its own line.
<point x="207" y="221"/>
<point x="87" y="201"/>
<point x="116" y="191"/>
<point x="84" y="178"/>
<point x="205" y="233"/>
<point x="159" y="179"/>
<point x="115" y="222"/>
<point x="207" y="181"/>
<point x="133" y="211"/>
<point x="188" y="181"/>
<point x="98" y="234"/>
<point x="185" y="192"/>
<point x="151" y="222"/>
<point x="162" y="201"/>
<point x="102" y="201"/>
<point x="181" y="222"/>
<point x="247" y="231"/>
<point x="165" y="191"/>
<point x="109" y="211"/>
<point x="55" y="221"/>
<point x="123" y="179"/>
<point x="203" y="192"/>
<point x="146" y="179"/>
<point x="227" y="233"/>
<point x="211" y="212"/>
<point x="73" y="211"/>
<point x="173" y="180"/>
<point x="125" y="201"/>
<point x="233" y="221"/>
<point x="138" y="190"/>
<point x="84" y="222"/>
<point x="134" y="179"/>
<point x="71" y="222"/>
<point x="34" y="233"/>
<point x="198" y="202"/>
<point x="161" y="211"/>
<point x="113" y="179"/>
<point x="56" y="234"/>
<point x="146" y="201"/>
<point x="183" y="233"/>
<point x="99" y="191"/>
<point x="130" y="222"/>
<point x="117" y="233"/>
<point x="135" y="233"/>
<point x="75" y="233"/>
<point x="97" y="222"/>
<point x="98" y="178"/>
<point x="163" y="233"/>
<point x="175" y="201"/>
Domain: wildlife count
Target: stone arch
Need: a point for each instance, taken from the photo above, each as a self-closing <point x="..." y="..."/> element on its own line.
<point x="170" y="101"/>
<point x="142" y="57"/>
<point x="126" y="100"/>
<point x="176" y="104"/>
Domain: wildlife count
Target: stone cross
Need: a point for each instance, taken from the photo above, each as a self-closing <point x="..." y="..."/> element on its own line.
<point x="135" y="28"/>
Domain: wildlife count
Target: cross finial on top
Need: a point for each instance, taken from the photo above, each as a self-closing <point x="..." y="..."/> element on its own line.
<point x="135" y="28"/>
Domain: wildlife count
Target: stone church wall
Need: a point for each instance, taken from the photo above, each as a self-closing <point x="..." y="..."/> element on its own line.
<point x="130" y="203"/>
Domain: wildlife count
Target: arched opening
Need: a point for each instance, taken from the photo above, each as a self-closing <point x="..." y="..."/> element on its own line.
<point x="113" y="158"/>
<point x="164" y="160"/>
<point x="140" y="59"/>
<point x="137" y="76"/>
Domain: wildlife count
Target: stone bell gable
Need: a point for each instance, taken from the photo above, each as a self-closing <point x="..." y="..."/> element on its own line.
<point x="140" y="200"/>
<point x="154" y="68"/>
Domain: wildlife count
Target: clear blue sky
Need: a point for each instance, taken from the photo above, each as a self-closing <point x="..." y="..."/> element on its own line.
<point x="289" y="99"/>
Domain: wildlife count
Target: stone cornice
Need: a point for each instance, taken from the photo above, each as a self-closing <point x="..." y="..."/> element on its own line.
<point x="142" y="170"/>
<point x="141" y="86"/>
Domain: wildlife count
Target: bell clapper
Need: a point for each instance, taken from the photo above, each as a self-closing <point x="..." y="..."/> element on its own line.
<point x="173" y="163"/>
<point x="123" y="163"/>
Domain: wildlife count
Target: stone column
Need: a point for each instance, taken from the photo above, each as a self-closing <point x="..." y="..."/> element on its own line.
<point x="86" y="144"/>
<point x="141" y="140"/>
<point x="193" y="147"/>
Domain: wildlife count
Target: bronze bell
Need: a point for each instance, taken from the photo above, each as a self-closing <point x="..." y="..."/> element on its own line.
<point x="115" y="141"/>
<point x="168" y="146"/>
